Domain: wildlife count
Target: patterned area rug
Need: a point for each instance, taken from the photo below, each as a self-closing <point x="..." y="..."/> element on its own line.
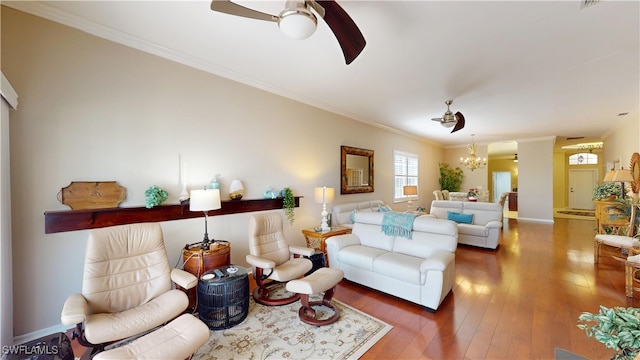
<point x="276" y="332"/>
<point x="577" y="212"/>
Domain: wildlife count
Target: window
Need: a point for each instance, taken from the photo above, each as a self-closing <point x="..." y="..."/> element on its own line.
<point x="583" y="159"/>
<point x="405" y="172"/>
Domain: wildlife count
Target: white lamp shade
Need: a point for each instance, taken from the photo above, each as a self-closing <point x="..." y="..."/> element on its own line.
<point x="410" y="190"/>
<point x="324" y="195"/>
<point x="205" y="200"/>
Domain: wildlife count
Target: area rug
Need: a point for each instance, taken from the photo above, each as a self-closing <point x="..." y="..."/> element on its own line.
<point x="577" y="212"/>
<point x="276" y="332"/>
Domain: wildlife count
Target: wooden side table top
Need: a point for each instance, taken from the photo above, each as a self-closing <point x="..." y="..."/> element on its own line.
<point x="315" y="239"/>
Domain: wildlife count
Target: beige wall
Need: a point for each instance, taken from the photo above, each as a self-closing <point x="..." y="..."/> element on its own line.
<point x="94" y="110"/>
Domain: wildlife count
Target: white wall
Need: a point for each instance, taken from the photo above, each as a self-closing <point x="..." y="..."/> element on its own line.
<point x="535" y="179"/>
<point x="8" y="100"/>
<point x="93" y="110"/>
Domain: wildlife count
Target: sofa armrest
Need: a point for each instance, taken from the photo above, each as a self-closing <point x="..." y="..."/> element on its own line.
<point x="260" y="262"/>
<point x="340" y="241"/>
<point x="74" y="310"/>
<point x="299" y="250"/>
<point x="437" y="261"/>
<point x="430" y="215"/>
<point x="183" y="278"/>
<point x="494" y="224"/>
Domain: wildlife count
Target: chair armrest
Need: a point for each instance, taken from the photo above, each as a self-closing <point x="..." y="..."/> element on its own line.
<point x="299" y="250"/>
<point x="183" y="278"/>
<point x="437" y="261"/>
<point x="74" y="310"/>
<point x="340" y="241"/>
<point x="494" y="224"/>
<point x="260" y="262"/>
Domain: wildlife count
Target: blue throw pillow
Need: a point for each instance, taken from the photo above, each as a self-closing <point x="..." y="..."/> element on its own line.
<point x="460" y="218"/>
<point x="384" y="208"/>
<point x="353" y="216"/>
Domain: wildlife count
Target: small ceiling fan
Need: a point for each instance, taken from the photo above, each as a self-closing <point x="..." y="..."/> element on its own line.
<point x="298" y="22"/>
<point x="450" y="119"/>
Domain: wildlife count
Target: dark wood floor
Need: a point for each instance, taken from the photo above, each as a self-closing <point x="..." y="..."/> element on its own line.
<point x="520" y="301"/>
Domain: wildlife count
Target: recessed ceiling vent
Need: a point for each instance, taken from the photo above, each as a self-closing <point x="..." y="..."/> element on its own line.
<point x="587" y="3"/>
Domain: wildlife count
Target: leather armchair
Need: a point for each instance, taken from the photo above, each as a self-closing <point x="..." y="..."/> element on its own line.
<point x="127" y="286"/>
<point x="273" y="260"/>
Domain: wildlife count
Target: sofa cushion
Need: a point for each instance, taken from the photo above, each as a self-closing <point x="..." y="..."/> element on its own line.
<point x="483" y="212"/>
<point x="439" y="208"/>
<point x="399" y="266"/>
<point x="475" y="230"/>
<point x="460" y="218"/>
<point x="358" y="256"/>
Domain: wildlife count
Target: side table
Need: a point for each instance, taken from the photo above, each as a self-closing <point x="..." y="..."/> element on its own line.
<point x="223" y="297"/>
<point x="316" y="239"/>
<point x="197" y="261"/>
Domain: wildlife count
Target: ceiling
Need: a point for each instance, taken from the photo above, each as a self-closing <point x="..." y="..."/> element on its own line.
<point x="516" y="69"/>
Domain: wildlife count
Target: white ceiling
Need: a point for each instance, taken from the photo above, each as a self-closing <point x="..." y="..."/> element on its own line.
<point x="516" y="69"/>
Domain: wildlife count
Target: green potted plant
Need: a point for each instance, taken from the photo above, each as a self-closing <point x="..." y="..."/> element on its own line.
<point x="155" y="196"/>
<point x="606" y="191"/>
<point x="617" y="328"/>
<point x="288" y="204"/>
<point x="450" y="178"/>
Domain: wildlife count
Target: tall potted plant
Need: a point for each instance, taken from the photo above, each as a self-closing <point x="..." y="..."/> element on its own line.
<point x="450" y="178"/>
<point x="617" y="328"/>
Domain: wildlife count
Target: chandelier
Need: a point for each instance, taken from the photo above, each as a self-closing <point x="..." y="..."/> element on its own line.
<point x="473" y="162"/>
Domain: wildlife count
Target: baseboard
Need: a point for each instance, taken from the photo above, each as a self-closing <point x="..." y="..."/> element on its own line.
<point x="546" y="221"/>
<point x="21" y="339"/>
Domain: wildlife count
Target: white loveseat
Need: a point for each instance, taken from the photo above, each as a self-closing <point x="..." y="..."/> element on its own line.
<point x="420" y="269"/>
<point x="485" y="229"/>
<point x="341" y="214"/>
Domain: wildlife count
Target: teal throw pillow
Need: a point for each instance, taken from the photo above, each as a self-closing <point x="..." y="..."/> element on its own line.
<point x="460" y="218"/>
<point x="353" y="216"/>
<point x="384" y="208"/>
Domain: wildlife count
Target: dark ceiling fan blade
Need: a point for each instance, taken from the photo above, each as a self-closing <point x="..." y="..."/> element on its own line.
<point x="459" y="122"/>
<point x="231" y="8"/>
<point x="344" y="28"/>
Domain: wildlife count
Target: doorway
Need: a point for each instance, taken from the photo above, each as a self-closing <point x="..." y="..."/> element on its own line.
<point x="581" y="185"/>
<point x="501" y="183"/>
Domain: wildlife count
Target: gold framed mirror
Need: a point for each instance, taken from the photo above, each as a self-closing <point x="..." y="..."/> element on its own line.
<point x="356" y="170"/>
<point x="635" y="172"/>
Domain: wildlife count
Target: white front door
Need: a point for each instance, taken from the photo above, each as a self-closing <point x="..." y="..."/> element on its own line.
<point x="501" y="183"/>
<point x="581" y="185"/>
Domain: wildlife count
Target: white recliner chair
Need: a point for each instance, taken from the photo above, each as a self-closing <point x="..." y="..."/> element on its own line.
<point x="274" y="261"/>
<point x="127" y="291"/>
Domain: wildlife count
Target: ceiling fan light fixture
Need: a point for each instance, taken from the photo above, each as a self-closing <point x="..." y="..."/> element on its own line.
<point x="448" y="124"/>
<point x="298" y="23"/>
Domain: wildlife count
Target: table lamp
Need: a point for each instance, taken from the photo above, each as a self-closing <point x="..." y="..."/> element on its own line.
<point x="205" y="200"/>
<point x="622" y="176"/>
<point x="324" y="195"/>
<point x="408" y="191"/>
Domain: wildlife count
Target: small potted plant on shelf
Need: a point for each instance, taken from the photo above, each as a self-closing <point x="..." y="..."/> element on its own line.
<point x="618" y="328"/>
<point x="155" y="196"/>
<point x="606" y="191"/>
<point x="288" y="204"/>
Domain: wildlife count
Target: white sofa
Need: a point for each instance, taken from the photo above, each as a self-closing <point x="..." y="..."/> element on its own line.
<point x="420" y="269"/>
<point x="341" y="213"/>
<point x="485" y="229"/>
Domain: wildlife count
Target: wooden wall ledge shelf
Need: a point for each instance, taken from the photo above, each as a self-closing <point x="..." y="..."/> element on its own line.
<point x="70" y="220"/>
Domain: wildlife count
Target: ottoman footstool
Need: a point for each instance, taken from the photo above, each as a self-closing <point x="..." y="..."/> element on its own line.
<point x="179" y="339"/>
<point x="323" y="279"/>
